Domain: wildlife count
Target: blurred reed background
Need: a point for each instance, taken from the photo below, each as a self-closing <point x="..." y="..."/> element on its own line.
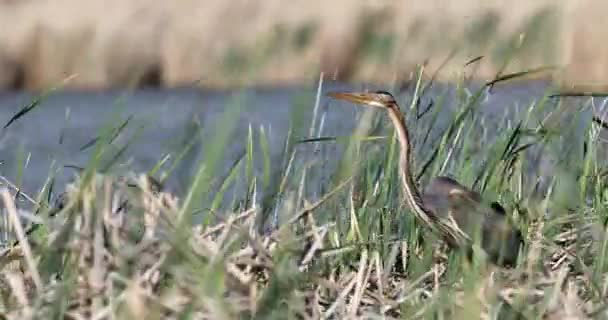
<point x="221" y="44"/>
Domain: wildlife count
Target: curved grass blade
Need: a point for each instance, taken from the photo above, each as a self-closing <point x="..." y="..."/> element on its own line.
<point x="105" y="138"/>
<point x="230" y="178"/>
<point x="152" y="172"/>
<point x="266" y="158"/>
<point x="341" y="139"/>
<point x="115" y="133"/>
<point x="36" y="102"/>
<point x="25" y="110"/>
<point x="520" y="74"/>
<point x="594" y="94"/>
<point x="213" y="155"/>
<point x="123" y="149"/>
<point x="470" y="62"/>
<point x="177" y="160"/>
<point x="453" y="127"/>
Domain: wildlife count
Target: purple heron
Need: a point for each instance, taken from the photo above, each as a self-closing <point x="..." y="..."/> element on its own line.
<point x="457" y="213"/>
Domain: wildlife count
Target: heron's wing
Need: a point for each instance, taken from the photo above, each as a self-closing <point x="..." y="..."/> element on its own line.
<point x="480" y="222"/>
<point x="443" y="185"/>
<point x="460" y="207"/>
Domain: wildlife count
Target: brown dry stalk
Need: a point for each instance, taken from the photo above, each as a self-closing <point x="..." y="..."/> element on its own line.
<point x="27" y="251"/>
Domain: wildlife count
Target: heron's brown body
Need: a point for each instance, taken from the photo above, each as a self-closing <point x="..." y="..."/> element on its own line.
<point x="449" y="199"/>
<point x="446" y="206"/>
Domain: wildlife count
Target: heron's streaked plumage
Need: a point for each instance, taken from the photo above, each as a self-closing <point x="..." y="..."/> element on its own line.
<point x="456" y="212"/>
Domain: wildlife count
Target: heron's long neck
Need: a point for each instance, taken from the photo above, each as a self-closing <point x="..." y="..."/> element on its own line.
<point x="410" y="190"/>
<point x="453" y="234"/>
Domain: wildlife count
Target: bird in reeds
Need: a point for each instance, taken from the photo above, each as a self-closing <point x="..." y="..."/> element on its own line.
<point x="458" y="214"/>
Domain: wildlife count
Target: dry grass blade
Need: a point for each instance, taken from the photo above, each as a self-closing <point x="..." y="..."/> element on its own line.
<point x="20" y="233"/>
<point x="319" y="237"/>
<point x="16" y="189"/>
<point x="232" y="219"/>
<point x="308" y="209"/>
<point x="361" y="283"/>
<point x="339" y="302"/>
<point x="379" y="275"/>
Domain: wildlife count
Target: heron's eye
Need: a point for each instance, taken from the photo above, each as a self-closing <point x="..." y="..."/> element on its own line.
<point x="385" y="96"/>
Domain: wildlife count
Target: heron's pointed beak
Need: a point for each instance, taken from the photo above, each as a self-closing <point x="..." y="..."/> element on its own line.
<point x="359" y="98"/>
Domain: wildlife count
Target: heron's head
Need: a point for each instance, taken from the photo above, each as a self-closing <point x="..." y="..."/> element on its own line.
<point x="379" y="99"/>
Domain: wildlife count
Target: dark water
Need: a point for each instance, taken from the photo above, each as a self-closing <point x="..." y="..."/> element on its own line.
<point x="168" y="115"/>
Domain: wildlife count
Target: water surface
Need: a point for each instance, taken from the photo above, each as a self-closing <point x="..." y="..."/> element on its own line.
<point x="64" y="122"/>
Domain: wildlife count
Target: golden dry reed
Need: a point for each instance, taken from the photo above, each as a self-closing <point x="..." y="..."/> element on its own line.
<point x="217" y="43"/>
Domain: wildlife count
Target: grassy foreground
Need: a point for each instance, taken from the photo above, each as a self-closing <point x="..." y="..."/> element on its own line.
<point x="120" y="248"/>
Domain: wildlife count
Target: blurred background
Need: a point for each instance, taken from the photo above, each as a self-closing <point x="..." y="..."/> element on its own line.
<point x="102" y="44"/>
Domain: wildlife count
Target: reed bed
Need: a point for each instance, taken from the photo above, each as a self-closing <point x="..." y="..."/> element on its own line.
<point x="120" y="246"/>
